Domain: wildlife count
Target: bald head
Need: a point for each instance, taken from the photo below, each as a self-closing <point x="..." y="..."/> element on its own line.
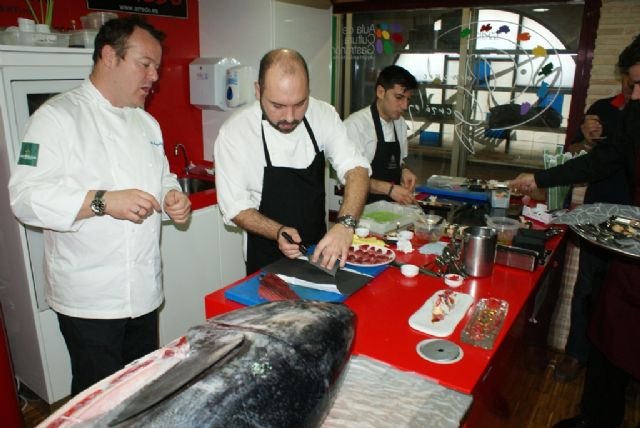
<point x="283" y="89"/>
<point x="284" y="62"/>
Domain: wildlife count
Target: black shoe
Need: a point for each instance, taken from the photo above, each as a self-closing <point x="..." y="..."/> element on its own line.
<point x="568" y="370"/>
<point x="577" y="422"/>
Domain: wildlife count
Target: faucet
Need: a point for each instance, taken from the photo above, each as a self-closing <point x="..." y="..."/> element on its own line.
<point x="180" y="148"/>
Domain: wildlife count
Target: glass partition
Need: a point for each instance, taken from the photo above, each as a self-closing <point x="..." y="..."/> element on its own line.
<point x="495" y="83"/>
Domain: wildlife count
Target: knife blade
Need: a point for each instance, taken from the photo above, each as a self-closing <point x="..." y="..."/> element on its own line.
<point x="304" y="249"/>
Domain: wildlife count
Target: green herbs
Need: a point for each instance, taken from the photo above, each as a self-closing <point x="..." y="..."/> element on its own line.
<point x="45" y="9"/>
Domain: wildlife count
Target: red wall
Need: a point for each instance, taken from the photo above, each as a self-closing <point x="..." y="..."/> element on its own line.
<point x="180" y="121"/>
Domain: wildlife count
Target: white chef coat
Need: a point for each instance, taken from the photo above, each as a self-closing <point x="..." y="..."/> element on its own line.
<point x="98" y="267"/>
<point x="239" y="154"/>
<point x="362" y="131"/>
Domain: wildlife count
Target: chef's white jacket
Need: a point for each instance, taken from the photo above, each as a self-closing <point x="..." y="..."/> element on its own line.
<point x="239" y="154"/>
<point x="362" y="131"/>
<point x="98" y="267"/>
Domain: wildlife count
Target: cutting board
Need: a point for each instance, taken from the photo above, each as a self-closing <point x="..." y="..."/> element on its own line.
<point x="461" y="193"/>
<point x="247" y="293"/>
<point x="347" y="282"/>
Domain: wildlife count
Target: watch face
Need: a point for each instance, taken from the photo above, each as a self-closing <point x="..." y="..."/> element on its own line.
<point x="97" y="206"/>
<point x="349" y="221"/>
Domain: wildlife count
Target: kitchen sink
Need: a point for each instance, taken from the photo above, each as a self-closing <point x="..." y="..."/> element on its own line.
<point x="191" y="185"/>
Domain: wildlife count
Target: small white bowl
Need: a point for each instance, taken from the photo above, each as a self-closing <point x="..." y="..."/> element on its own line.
<point x="453" y="280"/>
<point x="405" y="234"/>
<point x="409" y="270"/>
<point x="362" y="232"/>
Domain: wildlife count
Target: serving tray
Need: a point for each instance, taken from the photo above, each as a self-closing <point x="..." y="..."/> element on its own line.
<point x="592" y="222"/>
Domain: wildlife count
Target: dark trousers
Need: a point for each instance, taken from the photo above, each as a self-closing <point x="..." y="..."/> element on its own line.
<point x="101" y="347"/>
<point x="592" y="267"/>
<point x="603" y="396"/>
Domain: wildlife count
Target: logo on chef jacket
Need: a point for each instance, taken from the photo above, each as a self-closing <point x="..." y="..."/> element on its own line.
<point x="28" y="154"/>
<point x="366" y="41"/>
<point x="156" y="143"/>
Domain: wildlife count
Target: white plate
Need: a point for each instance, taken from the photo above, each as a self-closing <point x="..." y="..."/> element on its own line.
<point x="421" y="319"/>
<point x="391" y="255"/>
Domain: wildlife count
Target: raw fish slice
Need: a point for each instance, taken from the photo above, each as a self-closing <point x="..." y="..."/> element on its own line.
<point x="273" y="288"/>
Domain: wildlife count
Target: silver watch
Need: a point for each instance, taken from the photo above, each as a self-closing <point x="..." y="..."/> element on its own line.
<point x="97" y="205"/>
<point x="348" y="221"/>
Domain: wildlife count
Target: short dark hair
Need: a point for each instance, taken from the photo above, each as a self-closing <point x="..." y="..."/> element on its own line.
<point x="396" y="75"/>
<point x="116" y="33"/>
<point x="278" y="56"/>
<point x="630" y="56"/>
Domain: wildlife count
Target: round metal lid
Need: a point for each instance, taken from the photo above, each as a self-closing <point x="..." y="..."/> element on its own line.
<point x="439" y="351"/>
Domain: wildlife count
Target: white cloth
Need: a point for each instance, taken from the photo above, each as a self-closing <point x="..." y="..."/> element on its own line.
<point x="240" y="161"/>
<point x="97" y="267"/>
<point x="362" y="131"/>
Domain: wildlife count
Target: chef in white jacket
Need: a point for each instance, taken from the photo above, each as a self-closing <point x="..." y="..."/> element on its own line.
<point x="93" y="174"/>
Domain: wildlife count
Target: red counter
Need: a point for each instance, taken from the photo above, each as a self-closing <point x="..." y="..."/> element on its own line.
<point x="384" y="306"/>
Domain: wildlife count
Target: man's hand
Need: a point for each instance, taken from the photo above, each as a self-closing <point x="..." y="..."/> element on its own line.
<point x="402" y="195"/>
<point x="290" y="250"/>
<point x="131" y="204"/>
<point x="591" y="129"/>
<point x="333" y="246"/>
<point x="408" y="180"/>
<point x="177" y="206"/>
<point x="523" y="183"/>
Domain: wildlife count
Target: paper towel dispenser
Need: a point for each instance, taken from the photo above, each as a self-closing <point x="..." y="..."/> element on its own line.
<point x="240" y="89"/>
<point x="208" y="82"/>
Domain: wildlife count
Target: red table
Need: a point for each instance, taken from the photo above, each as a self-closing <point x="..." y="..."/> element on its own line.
<point x="384" y="306"/>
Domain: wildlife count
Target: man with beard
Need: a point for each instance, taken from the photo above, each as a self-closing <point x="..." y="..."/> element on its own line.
<point x="381" y="134"/>
<point x="270" y="164"/>
<point x="613" y="358"/>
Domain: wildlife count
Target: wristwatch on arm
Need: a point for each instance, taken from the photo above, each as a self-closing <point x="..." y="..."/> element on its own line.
<point x="97" y="205"/>
<point x="348" y="221"/>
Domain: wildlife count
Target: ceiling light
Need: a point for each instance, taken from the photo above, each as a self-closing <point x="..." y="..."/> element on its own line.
<point x="540" y="9"/>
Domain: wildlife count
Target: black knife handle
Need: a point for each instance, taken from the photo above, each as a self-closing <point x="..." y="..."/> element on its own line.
<point x="303" y="248"/>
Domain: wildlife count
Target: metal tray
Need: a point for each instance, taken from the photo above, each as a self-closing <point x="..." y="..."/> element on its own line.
<point x="590" y="219"/>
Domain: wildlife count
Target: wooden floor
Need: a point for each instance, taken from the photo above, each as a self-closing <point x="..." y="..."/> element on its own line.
<point x="541" y="400"/>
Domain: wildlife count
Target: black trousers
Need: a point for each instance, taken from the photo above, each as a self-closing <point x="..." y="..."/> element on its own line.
<point x="101" y="347"/>
<point x="603" y="396"/>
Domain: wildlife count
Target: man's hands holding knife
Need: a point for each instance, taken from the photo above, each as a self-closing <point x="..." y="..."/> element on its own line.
<point x="334" y="246"/>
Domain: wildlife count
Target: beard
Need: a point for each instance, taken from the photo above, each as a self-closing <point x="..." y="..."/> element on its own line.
<point x="281" y="126"/>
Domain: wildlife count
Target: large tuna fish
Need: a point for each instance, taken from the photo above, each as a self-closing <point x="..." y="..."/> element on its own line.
<point x="271" y="365"/>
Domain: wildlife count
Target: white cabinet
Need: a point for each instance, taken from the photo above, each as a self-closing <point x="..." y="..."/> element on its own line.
<point x="197" y="259"/>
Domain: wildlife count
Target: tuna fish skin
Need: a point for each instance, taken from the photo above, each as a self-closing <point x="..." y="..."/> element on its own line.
<point x="281" y="375"/>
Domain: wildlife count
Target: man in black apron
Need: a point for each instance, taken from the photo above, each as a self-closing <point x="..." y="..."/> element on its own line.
<point x="292" y="199"/>
<point x="391" y="180"/>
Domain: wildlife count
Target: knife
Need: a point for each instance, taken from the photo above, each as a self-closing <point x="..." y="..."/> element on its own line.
<point x="304" y="249"/>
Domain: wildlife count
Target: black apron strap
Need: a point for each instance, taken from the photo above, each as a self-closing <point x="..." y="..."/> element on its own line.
<point x="385" y="165"/>
<point x="378" y="125"/>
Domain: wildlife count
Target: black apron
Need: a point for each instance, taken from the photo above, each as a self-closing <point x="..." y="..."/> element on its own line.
<point x="385" y="165"/>
<point x="293" y="197"/>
